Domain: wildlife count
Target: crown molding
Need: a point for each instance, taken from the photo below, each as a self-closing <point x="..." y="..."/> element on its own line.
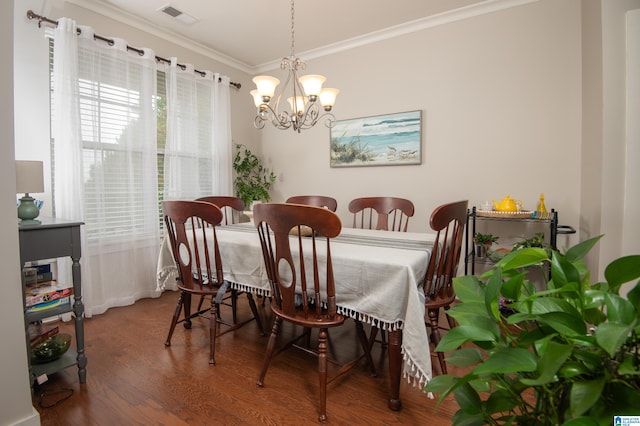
<point x="466" y="12"/>
<point x="161" y="32"/>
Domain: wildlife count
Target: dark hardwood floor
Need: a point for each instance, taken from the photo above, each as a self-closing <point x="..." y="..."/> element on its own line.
<point x="133" y="379"/>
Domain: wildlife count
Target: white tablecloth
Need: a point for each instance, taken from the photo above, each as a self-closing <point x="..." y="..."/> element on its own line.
<point x="378" y="277"/>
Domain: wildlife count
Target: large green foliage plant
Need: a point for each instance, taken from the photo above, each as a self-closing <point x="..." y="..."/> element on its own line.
<point x="570" y="354"/>
<point x="253" y="180"/>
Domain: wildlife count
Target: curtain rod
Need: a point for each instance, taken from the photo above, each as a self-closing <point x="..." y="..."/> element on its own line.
<point x="32" y="15"/>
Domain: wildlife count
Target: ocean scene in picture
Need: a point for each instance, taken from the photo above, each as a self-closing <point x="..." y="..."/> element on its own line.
<point x="382" y="140"/>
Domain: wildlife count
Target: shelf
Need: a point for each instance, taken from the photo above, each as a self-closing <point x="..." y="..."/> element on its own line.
<point x="520" y="220"/>
<point x="51" y="312"/>
<point x="52" y="239"/>
<point x="514" y="219"/>
<point x="68" y="359"/>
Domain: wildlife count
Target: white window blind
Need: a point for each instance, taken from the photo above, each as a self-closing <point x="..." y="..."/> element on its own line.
<point x="115" y="140"/>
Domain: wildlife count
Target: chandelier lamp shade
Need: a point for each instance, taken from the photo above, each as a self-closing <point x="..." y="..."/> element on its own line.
<point x="306" y="101"/>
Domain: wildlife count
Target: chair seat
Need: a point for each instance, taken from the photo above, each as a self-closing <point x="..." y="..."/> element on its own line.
<point x="311" y="319"/>
<point x="199" y="289"/>
<point x="439" y="302"/>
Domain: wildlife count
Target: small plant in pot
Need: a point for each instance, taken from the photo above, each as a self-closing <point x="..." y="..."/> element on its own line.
<point x="253" y="181"/>
<point x="569" y="353"/>
<point x="483" y="243"/>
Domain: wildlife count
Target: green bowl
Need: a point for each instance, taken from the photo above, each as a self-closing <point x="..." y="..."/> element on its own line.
<point x="51" y="349"/>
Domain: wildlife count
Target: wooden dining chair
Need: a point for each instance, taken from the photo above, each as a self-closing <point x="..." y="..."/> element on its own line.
<point x="315" y="200"/>
<point x="300" y="273"/>
<point x="448" y="222"/>
<point x="191" y="227"/>
<point x="232" y="207"/>
<point x="385" y="213"/>
<point x="381" y="213"/>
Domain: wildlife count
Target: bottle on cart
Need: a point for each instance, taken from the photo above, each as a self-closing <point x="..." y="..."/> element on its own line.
<point x="541" y="207"/>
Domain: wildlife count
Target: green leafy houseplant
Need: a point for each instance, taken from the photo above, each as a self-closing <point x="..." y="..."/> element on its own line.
<point x="569" y="354"/>
<point x="536" y="241"/>
<point x="484" y="238"/>
<point x="483" y="243"/>
<point x="253" y="181"/>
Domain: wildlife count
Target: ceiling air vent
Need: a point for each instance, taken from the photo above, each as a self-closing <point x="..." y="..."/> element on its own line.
<point x="177" y="14"/>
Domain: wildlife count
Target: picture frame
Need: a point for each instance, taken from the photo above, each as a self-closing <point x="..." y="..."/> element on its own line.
<point x="381" y="140"/>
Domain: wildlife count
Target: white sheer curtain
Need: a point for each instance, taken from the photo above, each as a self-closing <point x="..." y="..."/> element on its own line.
<point x="105" y="163"/>
<point x="197" y="153"/>
<point x="222" y="141"/>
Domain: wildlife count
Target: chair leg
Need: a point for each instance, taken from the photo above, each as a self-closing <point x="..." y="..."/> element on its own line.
<point x="322" y="372"/>
<point x="174" y="320"/>
<point x="307" y="334"/>
<point x="374" y="334"/>
<point x="234" y="305"/>
<point x="200" y="303"/>
<point x="435" y="337"/>
<point x="254" y="310"/>
<point x="364" y="342"/>
<point x="186" y="304"/>
<point x="213" y="332"/>
<point x="450" y="320"/>
<point x="270" y="348"/>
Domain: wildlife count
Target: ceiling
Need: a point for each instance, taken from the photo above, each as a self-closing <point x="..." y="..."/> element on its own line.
<point x="255" y="34"/>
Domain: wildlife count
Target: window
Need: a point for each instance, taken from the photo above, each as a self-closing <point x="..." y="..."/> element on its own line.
<point x="115" y="137"/>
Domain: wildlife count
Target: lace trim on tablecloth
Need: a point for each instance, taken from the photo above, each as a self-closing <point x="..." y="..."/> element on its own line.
<point x="411" y="371"/>
<point x="164" y="275"/>
<point x="250" y="289"/>
<point x="414" y="375"/>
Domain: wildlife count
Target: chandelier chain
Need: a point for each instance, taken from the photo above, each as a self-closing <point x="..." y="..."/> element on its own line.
<point x="293" y="36"/>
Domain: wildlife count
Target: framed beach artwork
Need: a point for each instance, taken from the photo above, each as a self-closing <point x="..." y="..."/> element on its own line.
<point x="381" y="140"/>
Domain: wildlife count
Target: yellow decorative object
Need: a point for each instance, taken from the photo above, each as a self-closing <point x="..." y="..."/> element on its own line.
<point x="507" y="204"/>
<point x="541" y="207"/>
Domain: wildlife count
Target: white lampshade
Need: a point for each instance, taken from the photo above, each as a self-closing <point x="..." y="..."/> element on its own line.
<point x="328" y="97"/>
<point x="299" y="103"/>
<point x="257" y="99"/>
<point x="266" y="85"/>
<point x="29" y="177"/>
<point x="312" y="84"/>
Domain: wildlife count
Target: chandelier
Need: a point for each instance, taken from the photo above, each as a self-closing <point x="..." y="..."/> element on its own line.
<point x="304" y="95"/>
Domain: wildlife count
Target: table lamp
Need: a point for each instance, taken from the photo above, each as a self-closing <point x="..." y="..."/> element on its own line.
<point x="29" y="178"/>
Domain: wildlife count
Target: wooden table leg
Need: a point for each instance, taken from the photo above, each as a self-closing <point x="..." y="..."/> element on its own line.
<point x="395" y="369"/>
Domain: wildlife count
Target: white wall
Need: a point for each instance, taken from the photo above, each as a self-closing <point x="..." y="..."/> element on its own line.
<point x="630" y="240"/>
<point x="501" y="101"/>
<point x="614" y="138"/>
<point x="15" y="404"/>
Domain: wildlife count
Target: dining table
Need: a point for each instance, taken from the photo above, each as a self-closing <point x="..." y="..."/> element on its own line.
<point x="379" y="280"/>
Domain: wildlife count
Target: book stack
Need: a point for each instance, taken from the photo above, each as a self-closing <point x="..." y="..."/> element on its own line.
<point x="46" y="293"/>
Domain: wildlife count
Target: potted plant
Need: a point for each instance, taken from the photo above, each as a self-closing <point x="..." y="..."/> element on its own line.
<point x="568" y="354"/>
<point x="483" y="243"/>
<point x="253" y="181"/>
